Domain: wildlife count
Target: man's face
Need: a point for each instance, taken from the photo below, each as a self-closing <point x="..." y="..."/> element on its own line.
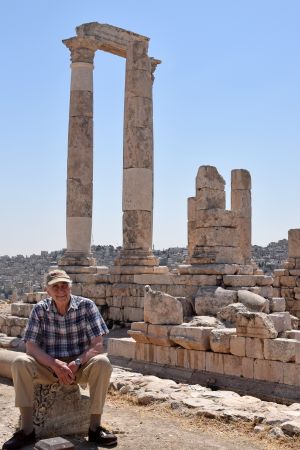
<point x="60" y="292"/>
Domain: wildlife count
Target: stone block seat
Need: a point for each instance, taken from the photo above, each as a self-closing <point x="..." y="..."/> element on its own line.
<point x="58" y="410"/>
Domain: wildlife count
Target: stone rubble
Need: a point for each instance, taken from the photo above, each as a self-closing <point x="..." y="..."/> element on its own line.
<point x="223" y="405"/>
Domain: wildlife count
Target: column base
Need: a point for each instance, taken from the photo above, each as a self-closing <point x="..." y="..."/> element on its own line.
<point x="77" y="259"/>
<point x="136" y="257"/>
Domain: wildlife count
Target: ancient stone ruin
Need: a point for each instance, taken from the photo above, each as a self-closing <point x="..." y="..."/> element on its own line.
<point x="137" y="151"/>
<point x="216" y="317"/>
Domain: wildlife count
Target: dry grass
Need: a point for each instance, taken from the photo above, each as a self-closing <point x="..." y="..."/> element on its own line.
<point x="188" y="420"/>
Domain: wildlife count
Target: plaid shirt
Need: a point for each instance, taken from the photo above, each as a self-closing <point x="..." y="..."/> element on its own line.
<point x="68" y="335"/>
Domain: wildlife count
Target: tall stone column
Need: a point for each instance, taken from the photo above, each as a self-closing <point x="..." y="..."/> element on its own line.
<point x="80" y="154"/>
<point x="138" y="158"/>
<point x="241" y="205"/>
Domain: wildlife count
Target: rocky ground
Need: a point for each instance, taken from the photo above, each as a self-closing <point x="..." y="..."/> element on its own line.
<point x="149" y="413"/>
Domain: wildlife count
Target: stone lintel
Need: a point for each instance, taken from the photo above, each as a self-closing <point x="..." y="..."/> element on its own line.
<point x="109" y="38"/>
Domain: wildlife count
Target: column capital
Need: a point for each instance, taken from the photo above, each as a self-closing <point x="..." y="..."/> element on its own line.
<point x="82" y="49"/>
<point x="154" y="63"/>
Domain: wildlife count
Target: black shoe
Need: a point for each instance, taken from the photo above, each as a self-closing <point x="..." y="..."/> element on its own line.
<point x="19" y="440"/>
<point x="102" y="436"/>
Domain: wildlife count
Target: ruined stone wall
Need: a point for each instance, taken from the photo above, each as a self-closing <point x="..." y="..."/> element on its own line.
<point x="287" y="280"/>
<point x="249" y="344"/>
<point x="217" y="235"/>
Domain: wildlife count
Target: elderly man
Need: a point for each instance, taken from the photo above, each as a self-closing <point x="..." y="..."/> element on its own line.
<point x="63" y="345"/>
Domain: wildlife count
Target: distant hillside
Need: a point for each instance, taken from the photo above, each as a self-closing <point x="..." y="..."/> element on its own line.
<point x="20" y="274"/>
<point x="270" y="257"/>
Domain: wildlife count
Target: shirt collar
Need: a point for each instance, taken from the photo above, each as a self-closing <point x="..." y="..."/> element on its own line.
<point x="51" y="305"/>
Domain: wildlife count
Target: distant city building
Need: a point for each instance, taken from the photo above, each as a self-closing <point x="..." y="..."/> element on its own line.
<point x="21" y="274"/>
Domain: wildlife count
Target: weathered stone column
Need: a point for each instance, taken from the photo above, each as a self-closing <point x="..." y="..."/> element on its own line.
<point x="294" y="243"/>
<point x="138" y="158"/>
<point x="80" y="154"/>
<point x="241" y="205"/>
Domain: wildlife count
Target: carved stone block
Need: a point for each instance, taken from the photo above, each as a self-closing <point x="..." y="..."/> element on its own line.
<point x="60" y="410"/>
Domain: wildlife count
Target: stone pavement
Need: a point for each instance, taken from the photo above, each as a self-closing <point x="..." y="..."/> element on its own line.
<point x="136" y="428"/>
<point x="146" y="429"/>
<point x="277" y="419"/>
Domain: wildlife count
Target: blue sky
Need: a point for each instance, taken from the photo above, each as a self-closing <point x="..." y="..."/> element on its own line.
<point x="226" y="94"/>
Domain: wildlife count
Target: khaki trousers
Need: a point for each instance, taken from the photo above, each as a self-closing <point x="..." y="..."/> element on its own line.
<point x="26" y="371"/>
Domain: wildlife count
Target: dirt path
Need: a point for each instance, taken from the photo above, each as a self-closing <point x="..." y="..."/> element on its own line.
<point x="151" y="428"/>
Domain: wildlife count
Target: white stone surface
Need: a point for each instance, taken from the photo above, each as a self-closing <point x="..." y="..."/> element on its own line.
<point x="195" y="338"/>
<point x="252" y="301"/>
<point x="161" y="308"/>
<point x="255" y="324"/>
<point x="280" y="349"/>
<point x="137" y="189"/>
<point x="82" y="76"/>
<point x="79" y="230"/>
<point x="220" y="339"/>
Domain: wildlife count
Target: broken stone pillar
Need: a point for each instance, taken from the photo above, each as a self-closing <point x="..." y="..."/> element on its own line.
<point x="212" y="236"/>
<point x="60" y="410"/>
<point x="138" y="158"/>
<point x="80" y="153"/>
<point x="210" y="195"/>
<point x="241" y="206"/>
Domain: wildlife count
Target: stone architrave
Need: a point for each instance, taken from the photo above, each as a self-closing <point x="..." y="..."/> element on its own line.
<point x="241" y="206"/>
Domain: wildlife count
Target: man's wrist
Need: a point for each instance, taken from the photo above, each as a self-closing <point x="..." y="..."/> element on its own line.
<point x="53" y="364"/>
<point x="78" y="362"/>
